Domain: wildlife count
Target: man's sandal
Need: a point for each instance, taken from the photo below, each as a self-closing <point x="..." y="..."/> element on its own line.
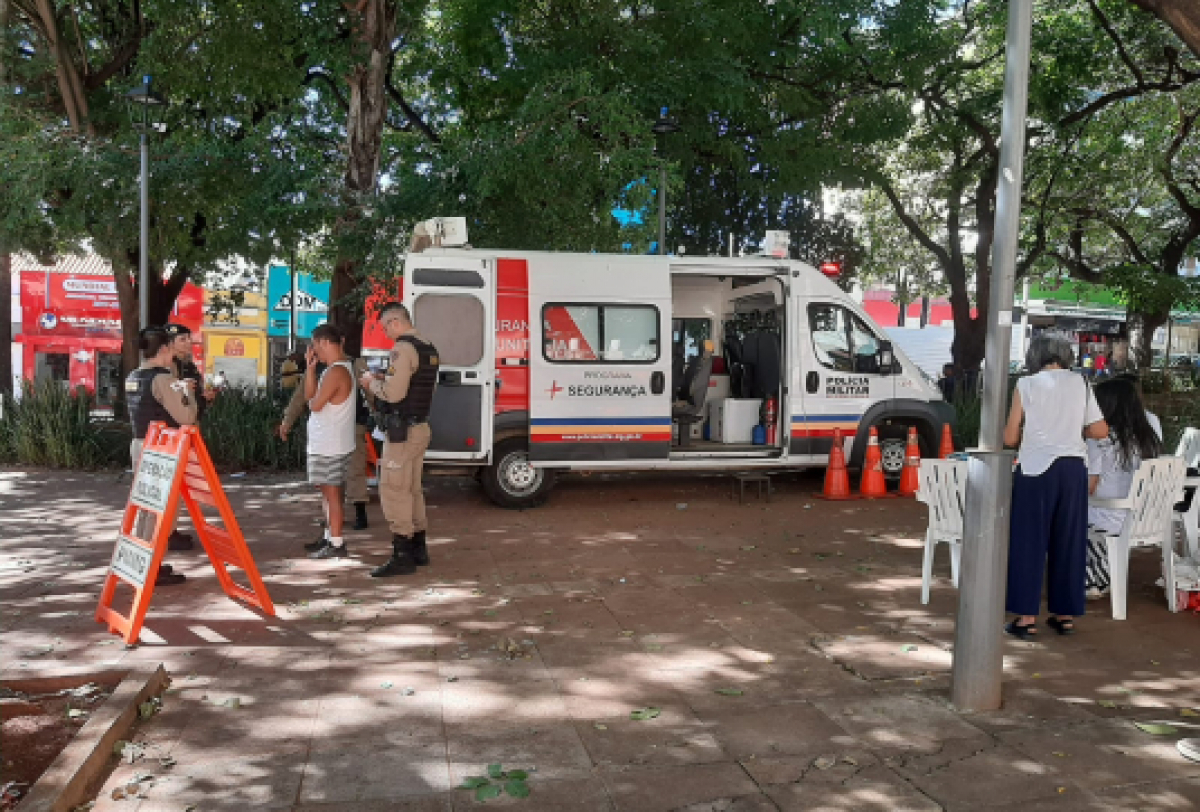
<point x="1022" y="632"/>
<point x="1063" y="627"/>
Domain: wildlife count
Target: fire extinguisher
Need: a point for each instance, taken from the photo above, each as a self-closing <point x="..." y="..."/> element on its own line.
<point x="772" y="423"/>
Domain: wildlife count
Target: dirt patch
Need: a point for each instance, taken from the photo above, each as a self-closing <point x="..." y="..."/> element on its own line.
<point x="36" y="728"/>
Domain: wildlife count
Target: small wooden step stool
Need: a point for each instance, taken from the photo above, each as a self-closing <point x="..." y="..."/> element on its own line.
<point x="760" y="479"/>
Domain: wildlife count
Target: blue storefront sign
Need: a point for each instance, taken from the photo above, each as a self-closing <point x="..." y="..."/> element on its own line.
<point x="312" y="302"/>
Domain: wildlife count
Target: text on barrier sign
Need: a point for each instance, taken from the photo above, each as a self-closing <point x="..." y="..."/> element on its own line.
<point x="131" y="560"/>
<point x="153" y="480"/>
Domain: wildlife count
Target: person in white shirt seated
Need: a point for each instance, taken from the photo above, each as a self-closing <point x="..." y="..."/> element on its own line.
<point x="1048" y="525"/>
<point x="1133" y="435"/>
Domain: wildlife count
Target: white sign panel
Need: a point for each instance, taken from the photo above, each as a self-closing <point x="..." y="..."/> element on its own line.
<point x="152" y="483"/>
<point x="131" y="561"/>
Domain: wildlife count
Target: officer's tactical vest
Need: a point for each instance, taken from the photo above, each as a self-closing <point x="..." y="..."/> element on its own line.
<point x="144" y="409"/>
<point x="419" y="400"/>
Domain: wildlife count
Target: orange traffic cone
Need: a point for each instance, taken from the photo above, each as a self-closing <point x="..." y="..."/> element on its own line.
<point x="910" y="478"/>
<point x="872" y="485"/>
<point x="947" y="446"/>
<point x="837" y="479"/>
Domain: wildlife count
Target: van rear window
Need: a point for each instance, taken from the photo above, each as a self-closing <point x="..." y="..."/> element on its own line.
<point x="600" y="333"/>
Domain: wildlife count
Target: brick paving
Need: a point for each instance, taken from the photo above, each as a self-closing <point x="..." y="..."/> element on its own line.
<point x="784" y="646"/>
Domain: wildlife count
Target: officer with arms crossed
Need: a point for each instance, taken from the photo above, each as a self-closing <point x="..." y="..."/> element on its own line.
<point x="402" y="399"/>
<point x="153" y="393"/>
<point x="330" y="430"/>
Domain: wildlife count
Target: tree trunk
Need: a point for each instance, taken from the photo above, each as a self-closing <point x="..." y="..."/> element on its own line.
<point x="6" y="343"/>
<point x="127" y="297"/>
<point x="1142" y="327"/>
<point x="1183" y="16"/>
<point x="374" y="29"/>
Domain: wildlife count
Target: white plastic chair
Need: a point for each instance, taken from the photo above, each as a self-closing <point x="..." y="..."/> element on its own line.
<point x="1157" y="486"/>
<point x="943" y="487"/>
<point x="1189" y="520"/>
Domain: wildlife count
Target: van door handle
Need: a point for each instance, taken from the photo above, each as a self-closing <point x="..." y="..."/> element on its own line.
<point x="451" y="378"/>
<point x="658" y="382"/>
<point x="812" y="383"/>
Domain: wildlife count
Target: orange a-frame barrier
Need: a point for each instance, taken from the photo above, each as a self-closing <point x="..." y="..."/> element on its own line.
<point x="174" y="463"/>
<point x="372" y="455"/>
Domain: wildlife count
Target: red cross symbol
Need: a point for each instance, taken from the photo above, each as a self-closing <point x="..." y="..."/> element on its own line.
<point x="554" y="389"/>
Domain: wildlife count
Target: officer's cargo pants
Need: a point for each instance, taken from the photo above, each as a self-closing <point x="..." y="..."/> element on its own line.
<point x="400" y="481"/>
<point x="356" y="476"/>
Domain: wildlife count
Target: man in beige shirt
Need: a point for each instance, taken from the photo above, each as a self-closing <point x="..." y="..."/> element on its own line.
<point x="403" y="398"/>
<point x="153" y="393"/>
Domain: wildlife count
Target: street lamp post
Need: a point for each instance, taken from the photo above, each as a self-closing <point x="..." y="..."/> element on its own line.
<point x="143" y="104"/>
<point x="664" y="126"/>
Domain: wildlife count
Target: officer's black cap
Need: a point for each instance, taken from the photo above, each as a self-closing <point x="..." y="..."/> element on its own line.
<point x="154" y="329"/>
<point x="176" y="330"/>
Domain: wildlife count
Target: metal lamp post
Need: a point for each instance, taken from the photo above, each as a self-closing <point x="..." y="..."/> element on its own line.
<point x="144" y="104"/>
<point x="664" y="126"/>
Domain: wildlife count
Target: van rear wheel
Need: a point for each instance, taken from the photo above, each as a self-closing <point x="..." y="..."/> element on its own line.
<point x="511" y="481"/>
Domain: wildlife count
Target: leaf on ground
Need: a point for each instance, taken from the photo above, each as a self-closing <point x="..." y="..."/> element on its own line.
<point x="909" y="647"/>
<point x="517" y="789"/>
<point x="1155" y="728"/>
<point x="1107" y="703"/>
<point x="517" y="775"/>
<point x="75" y="713"/>
<point x="473" y="782"/>
<point x="487" y="792"/>
<point x="147" y="709"/>
<point x="1188" y="712"/>
<point x="233" y="702"/>
<point x="824" y="762"/>
<point x="495" y="770"/>
<point x="119" y="747"/>
<point x="729" y="691"/>
<point x="600" y="726"/>
<point x="642" y="714"/>
<point x="385" y="684"/>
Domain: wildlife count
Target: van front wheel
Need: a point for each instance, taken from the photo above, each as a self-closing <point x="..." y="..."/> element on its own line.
<point x="511" y="482"/>
<point x="893" y="442"/>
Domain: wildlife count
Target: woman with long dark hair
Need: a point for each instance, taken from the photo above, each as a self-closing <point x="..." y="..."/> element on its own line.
<point x="1052" y="411"/>
<point x="1133" y="435"/>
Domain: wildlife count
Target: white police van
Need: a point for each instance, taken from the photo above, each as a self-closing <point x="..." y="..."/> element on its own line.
<point x="558" y="361"/>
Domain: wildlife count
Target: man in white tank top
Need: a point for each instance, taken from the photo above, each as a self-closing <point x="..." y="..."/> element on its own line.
<point x="330" y="430"/>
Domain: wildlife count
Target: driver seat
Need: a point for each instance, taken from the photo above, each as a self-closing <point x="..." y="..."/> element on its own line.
<point x="693" y="390"/>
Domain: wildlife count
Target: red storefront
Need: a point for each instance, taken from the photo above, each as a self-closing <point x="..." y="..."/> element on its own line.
<point x="71" y="322"/>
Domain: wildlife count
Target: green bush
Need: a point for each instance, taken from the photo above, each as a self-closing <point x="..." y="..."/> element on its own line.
<point x="239" y="432"/>
<point x="54" y="426"/>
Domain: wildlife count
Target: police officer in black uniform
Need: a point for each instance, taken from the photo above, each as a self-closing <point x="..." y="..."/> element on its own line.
<point x="154" y="393"/>
<point x="403" y="397"/>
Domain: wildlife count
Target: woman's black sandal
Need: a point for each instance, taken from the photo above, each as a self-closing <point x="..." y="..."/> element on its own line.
<point x="1027" y="631"/>
<point x="1063" y="627"/>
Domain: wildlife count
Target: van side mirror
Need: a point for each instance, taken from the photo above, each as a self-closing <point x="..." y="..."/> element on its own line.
<point x="886" y="358"/>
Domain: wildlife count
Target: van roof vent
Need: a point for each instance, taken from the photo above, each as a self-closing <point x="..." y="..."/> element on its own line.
<point x="439" y="232"/>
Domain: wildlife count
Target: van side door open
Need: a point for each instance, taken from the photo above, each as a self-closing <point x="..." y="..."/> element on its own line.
<point x="452" y="302"/>
<point x="600" y="361"/>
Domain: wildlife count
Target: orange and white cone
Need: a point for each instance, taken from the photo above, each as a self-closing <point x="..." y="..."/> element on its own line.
<point x="910" y="477"/>
<point x="872" y="485"/>
<point x="947" y="446"/>
<point x="837" y="478"/>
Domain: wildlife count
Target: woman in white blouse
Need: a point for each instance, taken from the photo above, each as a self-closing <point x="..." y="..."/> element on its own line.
<point x="1048" y="525"/>
<point x="1133" y="435"/>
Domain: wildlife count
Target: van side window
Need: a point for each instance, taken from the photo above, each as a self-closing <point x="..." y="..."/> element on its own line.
<point x="865" y="346"/>
<point x="829" y="325"/>
<point x="591" y="333"/>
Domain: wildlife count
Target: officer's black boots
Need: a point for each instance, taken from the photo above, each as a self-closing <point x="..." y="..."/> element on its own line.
<point x="401" y="562"/>
<point x="330" y="551"/>
<point x="180" y="541"/>
<point x="360" y="516"/>
<point x="320" y="542"/>
<point x="420" y="553"/>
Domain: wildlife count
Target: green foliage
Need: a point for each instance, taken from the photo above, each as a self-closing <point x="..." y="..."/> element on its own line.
<point x="239" y="432"/>
<point x="52" y="425"/>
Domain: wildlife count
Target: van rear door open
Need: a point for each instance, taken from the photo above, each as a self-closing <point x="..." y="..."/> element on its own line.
<point x="600" y="361"/>
<point x="452" y="301"/>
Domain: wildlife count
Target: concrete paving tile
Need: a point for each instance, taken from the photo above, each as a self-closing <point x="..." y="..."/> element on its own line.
<point x="791" y="729"/>
<point x="885" y="657"/>
<point x="596" y="698"/>
<point x="840" y="763"/>
<point x="429" y="803"/>
<point x="659" y="789"/>
<point x="893" y="723"/>
<point x="569" y="795"/>
<point x="342" y="717"/>
<point x="669" y="739"/>
<point x="970" y="774"/>
<point x="868" y="789"/>
<point x="1026" y="707"/>
<point x="250" y="781"/>
<point x="1105" y="754"/>
<point x="478" y="700"/>
<point x="1161" y="796"/>
<point x="553" y="748"/>
<point x="365" y="772"/>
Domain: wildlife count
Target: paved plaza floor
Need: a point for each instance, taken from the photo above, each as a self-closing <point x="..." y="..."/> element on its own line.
<point x="779" y="652"/>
